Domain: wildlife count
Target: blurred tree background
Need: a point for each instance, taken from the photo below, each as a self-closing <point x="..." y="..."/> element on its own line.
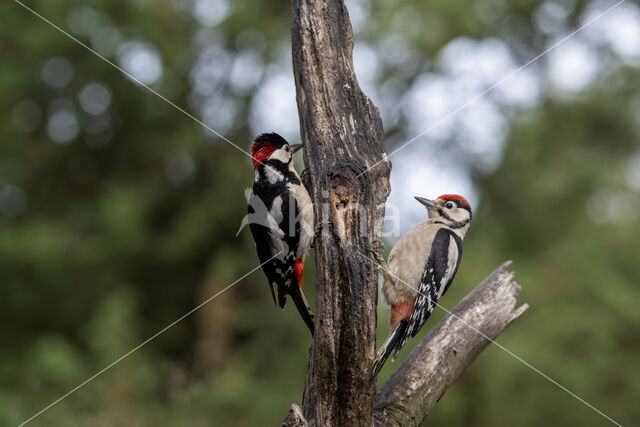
<point x="118" y="213"/>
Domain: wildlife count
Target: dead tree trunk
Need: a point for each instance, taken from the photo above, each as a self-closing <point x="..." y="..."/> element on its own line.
<point x="342" y="133"/>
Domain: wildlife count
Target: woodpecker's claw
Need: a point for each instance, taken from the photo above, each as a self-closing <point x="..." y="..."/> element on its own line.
<point x="319" y="227"/>
<point x="318" y="230"/>
<point x="305" y="177"/>
<point x="376" y="250"/>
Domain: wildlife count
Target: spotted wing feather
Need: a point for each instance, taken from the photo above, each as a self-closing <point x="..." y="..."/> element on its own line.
<point x="436" y="275"/>
<point x="280" y="235"/>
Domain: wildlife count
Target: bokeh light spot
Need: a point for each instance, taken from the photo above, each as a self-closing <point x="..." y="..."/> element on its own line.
<point x="180" y="167"/>
<point x="13" y="200"/>
<point x="141" y="60"/>
<point x="95" y="98"/>
<point x="57" y="73"/>
<point x="210" y="12"/>
<point x="62" y="127"/>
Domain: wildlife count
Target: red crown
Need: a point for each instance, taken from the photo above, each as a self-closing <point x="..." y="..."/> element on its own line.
<point x="463" y="202"/>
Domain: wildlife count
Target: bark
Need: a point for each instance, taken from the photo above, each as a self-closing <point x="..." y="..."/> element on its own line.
<point x="342" y="133"/>
<point x="407" y="398"/>
<point x="343" y="137"/>
<point x="294" y="418"/>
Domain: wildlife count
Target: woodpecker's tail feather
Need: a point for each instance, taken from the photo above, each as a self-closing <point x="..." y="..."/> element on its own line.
<point x="390" y="344"/>
<point x="282" y="296"/>
<point x="273" y="293"/>
<point x="303" y="307"/>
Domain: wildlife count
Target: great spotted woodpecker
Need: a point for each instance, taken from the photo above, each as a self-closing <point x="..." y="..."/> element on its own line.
<point x="420" y="269"/>
<point x="281" y="220"/>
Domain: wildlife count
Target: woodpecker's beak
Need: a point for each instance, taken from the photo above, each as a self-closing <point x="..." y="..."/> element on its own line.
<point x="296" y="147"/>
<point x="428" y="203"/>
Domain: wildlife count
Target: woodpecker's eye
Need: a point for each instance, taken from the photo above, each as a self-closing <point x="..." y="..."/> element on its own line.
<point x="449" y="205"/>
<point x="286" y="148"/>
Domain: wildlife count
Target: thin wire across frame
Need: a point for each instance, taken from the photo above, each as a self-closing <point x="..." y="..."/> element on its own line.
<point x="491" y="88"/>
<point x="132" y="77"/>
<point x="151" y="338"/>
<point x="200" y="122"/>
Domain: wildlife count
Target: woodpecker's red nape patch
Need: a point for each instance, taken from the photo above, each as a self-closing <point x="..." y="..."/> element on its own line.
<point x="298" y="269"/>
<point x="260" y="151"/>
<point x="456" y="198"/>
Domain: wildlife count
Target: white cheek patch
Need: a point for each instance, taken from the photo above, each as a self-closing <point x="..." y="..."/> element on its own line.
<point x="460" y="215"/>
<point x="282" y="155"/>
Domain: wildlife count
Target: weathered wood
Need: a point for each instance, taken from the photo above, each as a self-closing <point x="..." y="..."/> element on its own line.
<point x="294" y="418"/>
<point x="342" y="133"/>
<point x="417" y="385"/>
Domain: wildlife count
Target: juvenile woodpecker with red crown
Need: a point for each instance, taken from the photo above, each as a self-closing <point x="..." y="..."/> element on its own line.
<point x="420" y="269"/>
<point x="282" y="220"/>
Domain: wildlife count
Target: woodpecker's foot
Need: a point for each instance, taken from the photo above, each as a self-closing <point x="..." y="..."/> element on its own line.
<point x="377" y="248"/>
<point x="317" y="230"/>
<point x="305" y="177"/>
<point x="319" y="227"/>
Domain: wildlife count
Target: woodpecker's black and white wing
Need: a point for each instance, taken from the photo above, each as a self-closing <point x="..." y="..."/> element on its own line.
<point x="439" y="271"/>
<point x="275" y="236"/>
<point x="441" y="268"/>
<point x="267" y="238"/>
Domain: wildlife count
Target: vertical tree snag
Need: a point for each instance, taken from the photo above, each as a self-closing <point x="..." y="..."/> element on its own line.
<point x="343" y="137"/>
<point x="342" y="133"/>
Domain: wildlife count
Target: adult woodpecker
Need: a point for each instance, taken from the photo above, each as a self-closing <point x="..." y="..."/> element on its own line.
<point x="281" y="220"/>
<point x="420" y="269"/>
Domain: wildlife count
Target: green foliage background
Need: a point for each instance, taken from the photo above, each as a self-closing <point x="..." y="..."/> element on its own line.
<point x="100" y="248"/>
